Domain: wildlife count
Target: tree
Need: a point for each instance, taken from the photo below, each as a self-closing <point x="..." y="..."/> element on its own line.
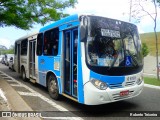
<point x="145" y="49"/>
<point x="24" y="13"/>
<point x="2" y="49"/>
<point x="138" y="11"/>
<point x="9" y="51"/>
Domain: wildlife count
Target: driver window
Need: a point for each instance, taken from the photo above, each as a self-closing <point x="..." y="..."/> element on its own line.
<point x="129" y="44"/>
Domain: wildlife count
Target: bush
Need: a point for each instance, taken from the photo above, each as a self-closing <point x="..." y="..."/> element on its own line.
<point x="145" y="49"/>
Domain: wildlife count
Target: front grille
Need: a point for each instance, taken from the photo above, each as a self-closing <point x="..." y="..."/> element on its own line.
<point x="121" y="85"/>
<point x="114" y="86"/>
<point x="118" y="97"/>
<point x="131" y="83"/>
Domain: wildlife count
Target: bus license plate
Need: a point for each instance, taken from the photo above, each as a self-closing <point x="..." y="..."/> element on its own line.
<point x="124" y="93"/>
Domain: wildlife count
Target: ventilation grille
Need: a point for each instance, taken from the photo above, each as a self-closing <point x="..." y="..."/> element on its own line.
<point x="131" y="83"/>
<point x="114" y="86"/>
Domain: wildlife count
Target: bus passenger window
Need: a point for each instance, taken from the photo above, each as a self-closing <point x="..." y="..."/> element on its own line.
<point x="51" y="39"/>
<point x="15" y="50"/>
<point x="55" y="47"/>
<point x="24" y="45"/>
<point x="39" y="44"/>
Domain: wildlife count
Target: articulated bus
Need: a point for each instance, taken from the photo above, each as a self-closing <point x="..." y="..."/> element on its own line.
<point x="89" y="59"/>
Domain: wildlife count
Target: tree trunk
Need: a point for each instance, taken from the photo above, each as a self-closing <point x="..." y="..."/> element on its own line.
<point x="156" y="38"/>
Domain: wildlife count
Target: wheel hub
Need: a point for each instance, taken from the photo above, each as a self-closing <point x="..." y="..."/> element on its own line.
<point x="53" y="86"/>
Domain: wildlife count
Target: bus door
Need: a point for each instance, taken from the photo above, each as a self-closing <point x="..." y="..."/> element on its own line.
<point x="18" y="58"/>
<point x="70" y="62"/>
<point x="32" y="58"/>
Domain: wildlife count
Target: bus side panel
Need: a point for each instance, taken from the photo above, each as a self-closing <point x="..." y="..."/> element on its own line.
<point x="56" y="71"/>
<point x="60" y="54"/>
<point x="24" y="63"/>
<point x="80" y="75"/>
<point x="45" y="65"/>
<point x="42" y="70"/>
<point x="16" y="63"/>
<point x="36" y="68"/>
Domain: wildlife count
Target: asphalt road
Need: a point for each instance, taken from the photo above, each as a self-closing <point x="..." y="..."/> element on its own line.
<point x="38" y="99"/>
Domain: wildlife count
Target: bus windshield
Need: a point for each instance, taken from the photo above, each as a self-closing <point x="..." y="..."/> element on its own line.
<point x="112" y="44"/>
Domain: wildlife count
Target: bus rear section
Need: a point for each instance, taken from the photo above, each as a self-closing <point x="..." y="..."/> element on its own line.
<point x="25" y="58"/>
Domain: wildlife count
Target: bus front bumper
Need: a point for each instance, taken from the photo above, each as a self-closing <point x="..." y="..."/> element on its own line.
<point x="94" y="96"/>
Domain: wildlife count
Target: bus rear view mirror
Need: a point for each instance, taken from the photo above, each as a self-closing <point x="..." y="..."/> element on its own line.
<point x="83" y="34"/>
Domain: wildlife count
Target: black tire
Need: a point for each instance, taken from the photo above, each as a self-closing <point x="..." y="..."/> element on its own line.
<point x="23" y="75"/>
<point x="53" y="88"/>
<point x="13" y="68"/>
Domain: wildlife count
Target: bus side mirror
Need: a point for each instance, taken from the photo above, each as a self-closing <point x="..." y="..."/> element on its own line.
<point x="83" y="34"/>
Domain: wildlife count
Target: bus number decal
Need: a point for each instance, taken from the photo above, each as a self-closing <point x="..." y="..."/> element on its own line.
<point x="56" y="66"/>
<point x="42" y="61"/>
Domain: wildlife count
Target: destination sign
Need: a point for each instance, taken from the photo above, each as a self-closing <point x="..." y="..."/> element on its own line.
<point x="110" y="33"/>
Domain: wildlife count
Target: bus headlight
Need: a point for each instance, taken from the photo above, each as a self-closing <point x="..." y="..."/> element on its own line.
<point x="140" y="79"/>
<point x="99" y="84"/>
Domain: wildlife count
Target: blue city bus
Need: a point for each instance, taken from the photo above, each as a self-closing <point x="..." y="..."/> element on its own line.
<point x="89" y="59"/>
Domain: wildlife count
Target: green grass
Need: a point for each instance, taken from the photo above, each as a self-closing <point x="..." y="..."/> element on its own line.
<point x="149" y="39"/>
<point x="152" y="81"/>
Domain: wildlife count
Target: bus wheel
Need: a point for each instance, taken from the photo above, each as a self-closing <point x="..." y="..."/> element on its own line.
<point x="23" y="74"/>
<point x="53" y="87"/>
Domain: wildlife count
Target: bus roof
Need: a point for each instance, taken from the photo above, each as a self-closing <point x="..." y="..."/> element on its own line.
<point x="71" y="18"/>
<point x="60" y="22"/>
<point x="27" y="36"/>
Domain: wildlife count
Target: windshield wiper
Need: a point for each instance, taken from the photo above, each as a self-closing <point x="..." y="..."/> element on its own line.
<point x="114" y="61"/>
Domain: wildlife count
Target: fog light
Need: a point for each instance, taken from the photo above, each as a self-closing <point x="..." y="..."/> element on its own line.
<point x="101" y="98"/>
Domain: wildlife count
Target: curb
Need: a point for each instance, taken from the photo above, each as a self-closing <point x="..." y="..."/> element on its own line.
<point x="152" y="86"/>
<point x="149" y="74"/>
<point x="15" y="101"/>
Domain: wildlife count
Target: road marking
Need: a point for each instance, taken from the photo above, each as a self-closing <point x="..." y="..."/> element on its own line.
<point x="12" y="83"/>
<point x="5" y="77"/>
<point x="27" y="93"/>
<point x="2" y="94"/>
<point x="9" y="80"/>
<point x="16" y="85"/>
<point x="34" y="93"/>
<point x="149" y="74"/>
<point x="152" y="86"/>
